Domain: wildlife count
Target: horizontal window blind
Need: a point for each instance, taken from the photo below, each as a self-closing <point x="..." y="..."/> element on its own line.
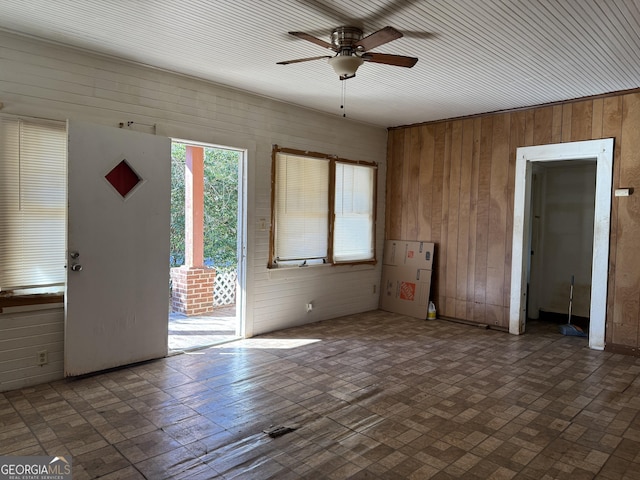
<point x="302" y="198"/>
<point x="33" y="197"/>
<point x="354" y="213"/>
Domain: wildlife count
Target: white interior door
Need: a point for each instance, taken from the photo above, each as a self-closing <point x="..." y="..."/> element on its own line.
<point x="118" y="248"/>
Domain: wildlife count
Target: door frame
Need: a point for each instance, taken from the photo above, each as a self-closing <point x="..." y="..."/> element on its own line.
<point x="602" y="152"/>
<point x="241" y="301"/>
<point x="241" y="237"/>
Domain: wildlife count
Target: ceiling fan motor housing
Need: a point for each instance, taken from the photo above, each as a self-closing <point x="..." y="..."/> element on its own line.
<point x="343" y="39"/>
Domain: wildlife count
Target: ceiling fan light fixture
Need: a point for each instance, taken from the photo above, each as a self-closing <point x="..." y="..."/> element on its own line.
<point x="345" y="65"/>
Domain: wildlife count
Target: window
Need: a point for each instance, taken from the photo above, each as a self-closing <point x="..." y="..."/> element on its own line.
<point x="33" y="199"/>
<point x="323" y="209"/>
<point x="354" y="207"/>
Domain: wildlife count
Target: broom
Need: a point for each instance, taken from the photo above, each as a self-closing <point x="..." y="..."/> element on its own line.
<point x="569" y="329"/>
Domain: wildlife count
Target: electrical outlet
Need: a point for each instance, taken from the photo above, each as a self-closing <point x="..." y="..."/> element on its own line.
<point x="374" y="288"/>
<point x="309" y="307"/>
<point x="43" y="357"/>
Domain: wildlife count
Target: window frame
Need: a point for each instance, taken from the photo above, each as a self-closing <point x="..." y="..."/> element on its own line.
<point x="331" y="216"/>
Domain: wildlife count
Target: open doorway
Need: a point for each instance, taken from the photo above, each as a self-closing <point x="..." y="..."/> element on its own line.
<point x="205" y="245"/>
<point x="562" y="213"/>
<point x="600" y="151"/>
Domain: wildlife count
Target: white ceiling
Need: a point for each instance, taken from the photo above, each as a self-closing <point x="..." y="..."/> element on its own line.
<point x="475" y="55"/>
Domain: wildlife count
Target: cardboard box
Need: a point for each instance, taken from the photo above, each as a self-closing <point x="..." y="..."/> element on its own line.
<point x="405" y="290"/>
<point x="404" y="253"/>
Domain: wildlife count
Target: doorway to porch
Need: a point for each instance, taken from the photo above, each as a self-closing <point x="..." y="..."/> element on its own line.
<point x="206" y="235"/>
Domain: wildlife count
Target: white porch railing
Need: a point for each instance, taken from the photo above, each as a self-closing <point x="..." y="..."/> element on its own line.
<point x="224" y="291"/>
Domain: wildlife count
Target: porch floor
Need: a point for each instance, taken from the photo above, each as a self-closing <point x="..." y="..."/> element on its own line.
<point x="188" y="333"/>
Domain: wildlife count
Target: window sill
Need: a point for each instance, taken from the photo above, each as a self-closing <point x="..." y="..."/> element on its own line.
<point x="318" y="270"/>
<point x="20" y="303"/>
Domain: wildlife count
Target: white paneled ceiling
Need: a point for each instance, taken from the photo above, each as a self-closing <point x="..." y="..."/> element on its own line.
<point x="475" y="55"/>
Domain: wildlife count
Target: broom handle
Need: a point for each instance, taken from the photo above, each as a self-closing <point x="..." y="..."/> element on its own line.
<point x="570" y="299"/>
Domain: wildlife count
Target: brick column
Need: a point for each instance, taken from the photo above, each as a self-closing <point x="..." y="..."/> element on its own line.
<point x="192" y="289"/>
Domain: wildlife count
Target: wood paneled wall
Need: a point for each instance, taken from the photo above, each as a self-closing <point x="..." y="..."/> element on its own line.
<point x="452" y="182"/>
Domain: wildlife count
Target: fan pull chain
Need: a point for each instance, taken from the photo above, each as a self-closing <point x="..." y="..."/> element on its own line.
<point x="344" y="99"/>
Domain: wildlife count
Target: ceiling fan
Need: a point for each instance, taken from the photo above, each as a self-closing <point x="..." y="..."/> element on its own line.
<point x="352" y="50"/>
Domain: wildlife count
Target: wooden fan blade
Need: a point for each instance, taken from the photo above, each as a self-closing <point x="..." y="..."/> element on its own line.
<point x="312" y="39"/>
<point x="378" y="38"/>
<point x="287" y="62"/>
<point x="387" y="59"/>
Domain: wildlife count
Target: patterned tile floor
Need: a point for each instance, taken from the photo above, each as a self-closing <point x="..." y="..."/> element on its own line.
<point x="373" y="395"/>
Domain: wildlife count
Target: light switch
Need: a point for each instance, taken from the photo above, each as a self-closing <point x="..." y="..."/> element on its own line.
<point x="623" y="192"/>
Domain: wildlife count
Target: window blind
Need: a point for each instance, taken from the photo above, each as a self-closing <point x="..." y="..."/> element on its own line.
<point x="302" y="199"/>
<point x="353" y="234"/>
<point x="33" y="197"/>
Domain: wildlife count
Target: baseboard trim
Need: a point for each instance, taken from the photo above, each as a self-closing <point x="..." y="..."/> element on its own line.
<point x="473" y="324"/>
<point x="622" y="349"/>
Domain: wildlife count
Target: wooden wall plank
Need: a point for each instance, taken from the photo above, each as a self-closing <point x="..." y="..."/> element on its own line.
<point x="516" y="139"/>
<point x="453" y="217"/>
<point x="436" y="217"/>
<point x="389" y="186"/>
<point x="462" y="261"/>
<point x="567" y="110"/>
<point x="473" y="219"/>
<point x="597" y="118"/>
<point x="482" y="217"/>
<point x="581" y="120"/>
<point x="444" y="234"/>
<point x="394" y="185"/>
<point x="495" y="315"/>
<point x="425" y="205"/>
<point x="405" y="210"/>
<point x="529" y="127"/>
<point x="627" y="282"/>
<point x="412" y="179"/>
<point x="543" y="125"/>
<point x="612" y="128"/>
<point x="497" y="213"/>
<point x="556" y="124"/>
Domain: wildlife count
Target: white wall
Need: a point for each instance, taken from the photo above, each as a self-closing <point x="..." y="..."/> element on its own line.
<point x="562" y="237"/>
<point x="22" y="336"/>
<point x="42" y="80"/>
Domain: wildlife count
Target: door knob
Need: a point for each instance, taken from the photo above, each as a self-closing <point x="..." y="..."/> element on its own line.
<point x="76" y="267"/>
